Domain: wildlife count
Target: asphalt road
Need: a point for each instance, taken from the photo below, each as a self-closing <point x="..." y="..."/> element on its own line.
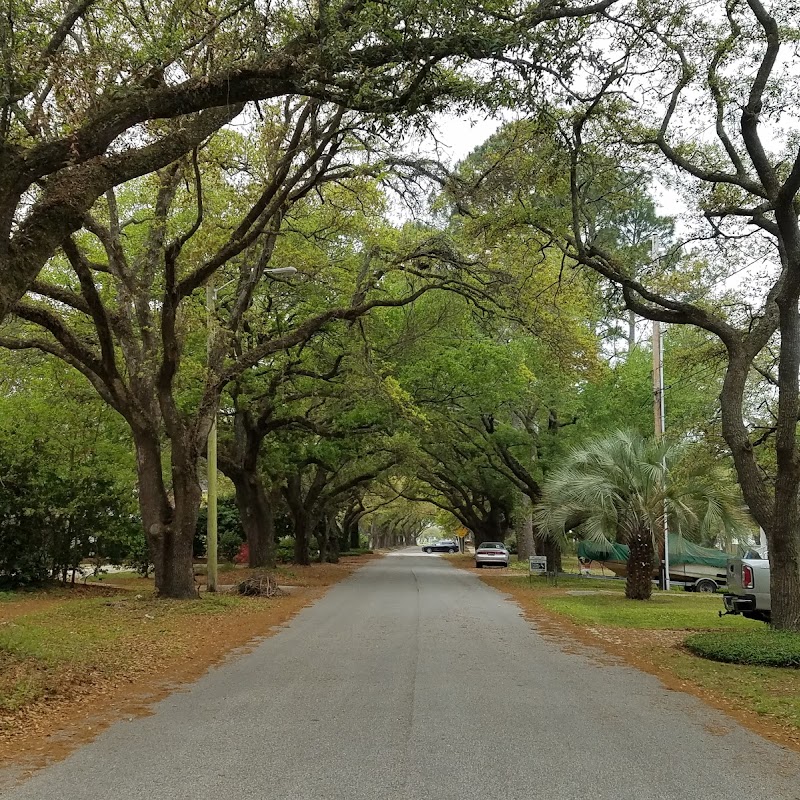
<point x="413" y="680"/>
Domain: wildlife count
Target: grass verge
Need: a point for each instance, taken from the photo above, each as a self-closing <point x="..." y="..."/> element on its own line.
<point x="664" y="611"/>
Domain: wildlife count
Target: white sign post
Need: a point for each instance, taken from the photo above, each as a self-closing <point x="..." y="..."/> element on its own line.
<point x="537" y="565"/>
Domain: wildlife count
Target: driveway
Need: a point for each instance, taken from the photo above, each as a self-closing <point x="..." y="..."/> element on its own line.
<point x="413" y="680"/>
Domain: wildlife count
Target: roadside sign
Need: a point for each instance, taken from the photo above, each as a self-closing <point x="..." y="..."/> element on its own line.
<point x="462" y="532"/>
<point x="537" y="565"/>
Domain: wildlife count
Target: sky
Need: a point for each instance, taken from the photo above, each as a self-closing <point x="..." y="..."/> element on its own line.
<point x="461" y="135"/>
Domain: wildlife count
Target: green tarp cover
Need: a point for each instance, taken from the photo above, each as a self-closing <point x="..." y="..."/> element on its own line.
<point x="593" y="551"/>
<point x="681" y="551"/>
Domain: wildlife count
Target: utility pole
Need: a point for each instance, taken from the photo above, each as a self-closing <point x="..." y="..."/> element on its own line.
<point x="658" y="410"/>
<point x="631" y="331"/>
<point x="211" y="460"/>
<point x="658" y="381"/>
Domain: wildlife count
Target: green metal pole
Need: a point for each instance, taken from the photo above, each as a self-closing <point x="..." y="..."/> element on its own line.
<point x="211" y="459"/>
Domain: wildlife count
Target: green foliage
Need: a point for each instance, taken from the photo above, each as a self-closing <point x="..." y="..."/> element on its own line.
<point x="482" y="400"/>
<point x="23" y="536"/>
<point x="623" y="390"/>
<point x="67" y="489"/>
<point x="284" y="553"/>
<point x="230" y="534"/>
<point x="764" y="647"/>
<point x="615" y="485"/>
<point x="50" y="523"/>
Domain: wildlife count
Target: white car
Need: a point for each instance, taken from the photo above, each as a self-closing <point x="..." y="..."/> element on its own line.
<point x="491" y="553"/>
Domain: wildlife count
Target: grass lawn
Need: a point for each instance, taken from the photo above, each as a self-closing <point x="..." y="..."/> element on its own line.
<point x="111" y="577"/>
<point x="650" y="636"/>
<point x="664" y="611"/>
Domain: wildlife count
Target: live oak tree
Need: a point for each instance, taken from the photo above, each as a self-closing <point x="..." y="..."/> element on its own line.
<point x="495" y="386"/>
<point x="122" y="302"/>
<point x="336" y="441"/>
<point x="400" y="523"/>
<point x="672" y="102"/>
<point x="95" y="93"/>
<point x="349" y="257"/>
<point x="294" y="406"/>
<point x="513" y="196"/>
<point x="278" y="396"/>
<point x="483" y="407"/>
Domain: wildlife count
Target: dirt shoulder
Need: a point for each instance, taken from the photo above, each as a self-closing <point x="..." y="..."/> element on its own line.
<point x="650" y="638"/>
<point x="73" y="661"/>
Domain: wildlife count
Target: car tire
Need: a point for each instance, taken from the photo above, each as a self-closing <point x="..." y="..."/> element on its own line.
<point x="428" y="549"/>
<point x="706" y="586"/>
<point x="477" y="565"/>
<point x="451" y="550"/>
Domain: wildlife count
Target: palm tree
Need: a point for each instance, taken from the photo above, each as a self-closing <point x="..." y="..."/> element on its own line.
<point x="616" y="489"/>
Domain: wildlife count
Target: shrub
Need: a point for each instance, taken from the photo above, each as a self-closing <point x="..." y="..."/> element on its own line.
<point x="362" y="551"/>
<point x="50" y="522"/>
<point x="230" y="533"/>
<point x="764" y="648"/>
<point x="229" y="543"/>
<point x="284" y="553"/>
<point x="243" y="556"/>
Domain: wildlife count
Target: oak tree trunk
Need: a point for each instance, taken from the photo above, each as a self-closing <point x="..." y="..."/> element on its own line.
<point x="355" y="536"/>
<point x="173" y="561"/>
<point x="525" y="543"/>
<point x="322" y="534"/>
<point x="784" y="550"/>
<point x="169" y="526"/>
<point x="332" y="556"/>
<point x="258" y="519"/>
<point x="784" y="560"/>
<point x="302" y="543"/>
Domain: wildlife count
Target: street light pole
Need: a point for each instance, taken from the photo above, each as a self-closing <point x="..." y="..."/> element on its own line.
<point x="211" y="460"/>
<point x="212" y="544"/>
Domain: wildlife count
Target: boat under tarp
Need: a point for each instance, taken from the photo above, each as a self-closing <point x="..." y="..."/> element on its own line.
<point x="687" y="561"/>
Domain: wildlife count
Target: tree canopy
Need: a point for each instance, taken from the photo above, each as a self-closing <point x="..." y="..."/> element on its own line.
<point x="164" y="168"/>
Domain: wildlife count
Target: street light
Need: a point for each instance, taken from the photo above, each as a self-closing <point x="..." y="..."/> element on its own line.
<point x="211" y="455"/>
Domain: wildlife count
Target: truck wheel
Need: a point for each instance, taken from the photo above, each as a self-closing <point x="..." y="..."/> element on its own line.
<point x="707" y="586"/>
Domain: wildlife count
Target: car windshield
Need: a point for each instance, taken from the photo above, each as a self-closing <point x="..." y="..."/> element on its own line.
<point x="492" y="546"/>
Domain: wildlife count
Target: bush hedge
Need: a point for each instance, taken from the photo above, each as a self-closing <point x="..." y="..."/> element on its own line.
<point x="764" y="648"/>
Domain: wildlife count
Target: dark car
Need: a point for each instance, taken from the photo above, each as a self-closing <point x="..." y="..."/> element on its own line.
<point x="441" y="546"/>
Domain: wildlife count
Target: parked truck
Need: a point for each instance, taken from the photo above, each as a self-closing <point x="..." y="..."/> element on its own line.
<point x="747" y="591"/>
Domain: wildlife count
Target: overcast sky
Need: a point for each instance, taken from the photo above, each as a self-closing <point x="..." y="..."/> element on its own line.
<point x="461" y="135"/>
